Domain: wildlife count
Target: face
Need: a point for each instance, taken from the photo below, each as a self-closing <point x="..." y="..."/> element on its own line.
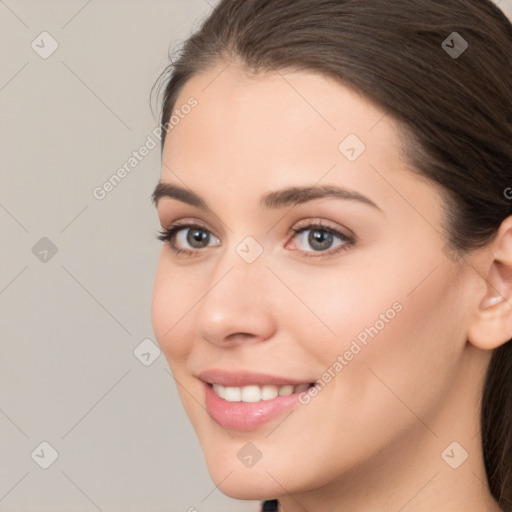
<point x="310" y="254"/>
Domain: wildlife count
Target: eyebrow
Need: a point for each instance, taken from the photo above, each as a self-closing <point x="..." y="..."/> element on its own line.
<point x="272" y="200"/>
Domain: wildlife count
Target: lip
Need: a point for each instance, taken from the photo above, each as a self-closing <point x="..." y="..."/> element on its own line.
<point x="246" y="416"/>
<point x="246" y="378"/>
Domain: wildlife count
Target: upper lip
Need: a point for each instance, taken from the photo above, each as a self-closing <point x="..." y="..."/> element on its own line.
<point x="245" y="378"/>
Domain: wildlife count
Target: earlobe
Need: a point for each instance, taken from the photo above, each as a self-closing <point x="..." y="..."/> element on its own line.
<point x="491" y="323"/>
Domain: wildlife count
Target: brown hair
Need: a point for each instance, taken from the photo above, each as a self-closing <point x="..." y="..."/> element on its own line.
<point x="454" y="110"/>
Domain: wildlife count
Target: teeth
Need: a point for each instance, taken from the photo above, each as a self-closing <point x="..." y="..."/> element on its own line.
<point x="285" y="390"/>
<point x="256" y="393"/>
<point x="219" y="390"/>
<point x="269" y="392"/>
<point x="233" y="394"/>
<point x="250" y="394"/>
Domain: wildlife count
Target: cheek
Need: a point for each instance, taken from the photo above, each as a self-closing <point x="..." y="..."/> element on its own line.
<point x="396" y="344"/>
<point x="407" y="363"/>
<point x="332" y="309"/>
<point x="397" y="325"/>
<point x="172" y="300"/>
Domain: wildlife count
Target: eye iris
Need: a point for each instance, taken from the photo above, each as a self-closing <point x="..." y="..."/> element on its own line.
<point x="320" y="237"/>
<point x="197" y="236"/>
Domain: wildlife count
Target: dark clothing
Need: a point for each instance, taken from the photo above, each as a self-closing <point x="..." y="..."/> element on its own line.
<point x="270" y="506"/>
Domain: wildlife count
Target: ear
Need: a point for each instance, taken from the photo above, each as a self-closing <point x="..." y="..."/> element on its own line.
<point x="491" y="322"/>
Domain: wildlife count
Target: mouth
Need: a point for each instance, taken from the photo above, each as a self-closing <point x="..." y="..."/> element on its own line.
<point x="247" y="400"/>
<point x="256" y="393"/>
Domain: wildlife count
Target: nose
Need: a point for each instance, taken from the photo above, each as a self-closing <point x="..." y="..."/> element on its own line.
<point x="238" y="305"/>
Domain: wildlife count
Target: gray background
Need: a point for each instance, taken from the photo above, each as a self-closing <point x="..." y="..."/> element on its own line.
<point x="71" y="320"/>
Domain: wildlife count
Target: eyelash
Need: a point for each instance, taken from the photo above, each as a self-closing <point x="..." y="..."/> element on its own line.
<point x="168" y="234"/>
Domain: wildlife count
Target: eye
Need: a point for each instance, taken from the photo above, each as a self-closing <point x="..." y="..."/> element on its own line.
<point x="190" y="239"/>
<point x="324" y="240"/>
<point x="193" y="235"/>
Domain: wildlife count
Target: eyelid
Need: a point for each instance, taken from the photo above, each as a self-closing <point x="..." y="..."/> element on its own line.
<point x="309" y="223"/>
<point x="189" y="223"/>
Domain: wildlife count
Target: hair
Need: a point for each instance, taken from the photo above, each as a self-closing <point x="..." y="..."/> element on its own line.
<point x="454" y="114"/>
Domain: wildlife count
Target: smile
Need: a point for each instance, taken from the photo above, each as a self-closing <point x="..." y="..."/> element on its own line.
<point x="247" y="400"/>
<point x="255" y="393"/>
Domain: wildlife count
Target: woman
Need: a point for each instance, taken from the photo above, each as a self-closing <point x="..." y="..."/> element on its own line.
<point x="334" y="292"/>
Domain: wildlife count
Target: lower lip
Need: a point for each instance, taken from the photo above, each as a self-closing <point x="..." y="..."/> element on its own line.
<point x="246" y="415"/>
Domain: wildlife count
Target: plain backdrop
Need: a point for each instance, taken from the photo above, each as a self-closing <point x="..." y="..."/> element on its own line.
<point x="90" y="419"/>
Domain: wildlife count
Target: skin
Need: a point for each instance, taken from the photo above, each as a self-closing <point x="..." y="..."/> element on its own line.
<point x="372" y="438"/>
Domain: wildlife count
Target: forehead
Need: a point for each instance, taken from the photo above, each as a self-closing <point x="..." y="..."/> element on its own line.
<point x="251" y="133"/>
<point x="274" y="116"/>
<point x="291" y="102"/>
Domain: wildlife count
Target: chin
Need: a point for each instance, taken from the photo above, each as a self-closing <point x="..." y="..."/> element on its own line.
<point x="244" y="484"/>
<point x="236" y="480"/>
